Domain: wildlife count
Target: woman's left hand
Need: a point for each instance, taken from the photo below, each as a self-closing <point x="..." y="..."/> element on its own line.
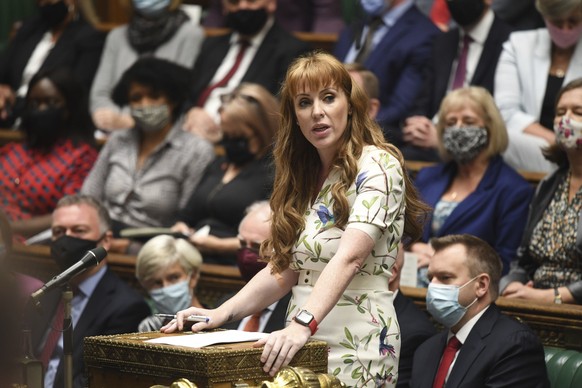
<point x="280" y="346"/>
<point x="528" y="292"/>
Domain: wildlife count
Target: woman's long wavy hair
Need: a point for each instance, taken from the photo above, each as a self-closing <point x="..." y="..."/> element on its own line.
<point x="297" y="162"/>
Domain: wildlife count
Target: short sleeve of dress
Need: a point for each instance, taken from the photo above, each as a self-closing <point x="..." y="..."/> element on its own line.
<point x="378" y="208"/>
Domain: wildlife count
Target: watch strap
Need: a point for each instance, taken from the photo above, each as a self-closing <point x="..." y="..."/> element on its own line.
<point x="312" y="324"/>
<point x="557" y="296"/>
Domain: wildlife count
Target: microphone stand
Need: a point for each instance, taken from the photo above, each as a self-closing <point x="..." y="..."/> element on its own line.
<point x="67" y="296"/>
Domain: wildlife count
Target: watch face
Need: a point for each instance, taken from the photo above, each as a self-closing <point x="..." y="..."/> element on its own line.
<point x="304" y="317"/>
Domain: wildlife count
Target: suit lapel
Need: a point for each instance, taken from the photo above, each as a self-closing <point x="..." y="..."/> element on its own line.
<point x="575" y="64"/>
<point x="277" y="319"/>
<point x="473" y="346"/>
<point x="211" y="60"/>
<point x="447" y="53"/>
<point x="474" y="199"/>
<point x="263" y="55"/>
<point x="395" y="36"/>
<point x="432" y="361"/>
<point x="436" y="192"/>
<point x="96" y="304"/>
<point x="491" y="49"/>
<point x="540" y="65"/>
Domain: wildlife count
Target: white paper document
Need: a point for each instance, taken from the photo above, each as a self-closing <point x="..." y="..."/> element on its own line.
<point x="409" y="270"/>
<point x="200" y="340"/>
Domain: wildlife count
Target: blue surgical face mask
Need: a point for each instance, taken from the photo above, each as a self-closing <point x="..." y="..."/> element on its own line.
<point x="373" y="7"/>
<point x="151" y="7"/>
<point x="442" y="302"/>
<point x="170" y="299"/>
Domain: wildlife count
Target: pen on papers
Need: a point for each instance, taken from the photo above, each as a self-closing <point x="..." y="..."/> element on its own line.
<point x="191" y="318"/>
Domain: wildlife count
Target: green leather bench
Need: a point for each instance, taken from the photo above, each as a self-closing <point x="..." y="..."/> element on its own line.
<point x="564" y="367"/>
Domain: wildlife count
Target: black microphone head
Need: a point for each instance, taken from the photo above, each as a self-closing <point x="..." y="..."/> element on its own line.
<point x="99" y="253"/>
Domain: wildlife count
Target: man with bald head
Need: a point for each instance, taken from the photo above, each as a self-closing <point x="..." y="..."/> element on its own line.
<point x="255" y="228"/>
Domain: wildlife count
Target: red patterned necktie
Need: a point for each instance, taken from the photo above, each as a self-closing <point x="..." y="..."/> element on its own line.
<point x="253" y="323"/>
<point x="54" y="335"/>
<point x="224" y="81"/>
<point x="448" y="357"/>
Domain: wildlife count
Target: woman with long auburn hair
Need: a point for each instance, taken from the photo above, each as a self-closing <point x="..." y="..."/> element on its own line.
<point x="341" y="204"/>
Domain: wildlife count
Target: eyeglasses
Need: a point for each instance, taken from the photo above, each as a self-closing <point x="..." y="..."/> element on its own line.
<point x="228" y="97"/>
<point x="253" y="246"/>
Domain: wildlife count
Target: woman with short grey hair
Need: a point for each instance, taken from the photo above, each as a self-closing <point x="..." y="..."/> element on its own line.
<point x="169" y="269"/>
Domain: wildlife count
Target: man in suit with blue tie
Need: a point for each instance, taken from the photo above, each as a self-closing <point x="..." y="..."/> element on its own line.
<point x="465" y="55"/>
<point x="481" y="347"/>
<point x="394" y="42"/>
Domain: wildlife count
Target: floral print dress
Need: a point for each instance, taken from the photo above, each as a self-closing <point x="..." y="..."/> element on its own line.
<point x="361" y="330"/>
<point x="553" y="241"/>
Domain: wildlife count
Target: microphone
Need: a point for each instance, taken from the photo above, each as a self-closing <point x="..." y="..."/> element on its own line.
<point x="91" y="259"/>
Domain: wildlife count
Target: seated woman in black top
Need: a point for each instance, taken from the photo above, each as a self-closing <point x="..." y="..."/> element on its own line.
<point x="237" y="179"/>
<point x="58" y="36"/>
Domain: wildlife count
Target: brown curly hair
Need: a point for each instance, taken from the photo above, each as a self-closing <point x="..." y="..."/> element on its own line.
<point x="295" y="158"/>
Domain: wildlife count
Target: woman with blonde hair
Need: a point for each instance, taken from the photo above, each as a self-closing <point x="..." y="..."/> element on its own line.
<point x="169" y="269"/>
<point x="474" y="191"/>
<point x="341" y="204"/>
<point x="242" y="176"/>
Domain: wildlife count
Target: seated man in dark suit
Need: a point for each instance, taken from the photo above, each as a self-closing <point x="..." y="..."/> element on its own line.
<point x="253" y="230"/>
<point x="393" y="41"/>
<point x="103" y="304"/>
<point x="415" y="326"/>
<point x="257" y="50"/>
<point x="465" y="55"/>
<point x="481" y="347"/>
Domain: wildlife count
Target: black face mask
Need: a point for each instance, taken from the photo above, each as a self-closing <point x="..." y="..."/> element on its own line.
<point x="466" y="12"/>
<point x="237" y="150"/>
<point x="247" y="21"/>
<point x="67" y="250"/>
<point x="54" y="14"/>
<point x="43" y="127"/>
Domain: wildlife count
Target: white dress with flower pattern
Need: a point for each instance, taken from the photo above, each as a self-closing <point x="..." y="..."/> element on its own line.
<point x="361" y="330"/>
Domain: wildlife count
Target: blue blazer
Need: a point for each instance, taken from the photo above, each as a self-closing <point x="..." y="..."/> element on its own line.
<point x="499" y="352"/>
<point x="398" y="61"/>
<point x="495" y="212"/>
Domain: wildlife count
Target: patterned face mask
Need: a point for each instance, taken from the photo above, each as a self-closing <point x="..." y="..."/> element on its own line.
<point x="569" y="133"/>
<point x="151" y="118"/>
<point x="464" y="143"/>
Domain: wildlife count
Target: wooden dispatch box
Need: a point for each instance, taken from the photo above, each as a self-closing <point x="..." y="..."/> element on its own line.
<point x="127" y="361"/>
